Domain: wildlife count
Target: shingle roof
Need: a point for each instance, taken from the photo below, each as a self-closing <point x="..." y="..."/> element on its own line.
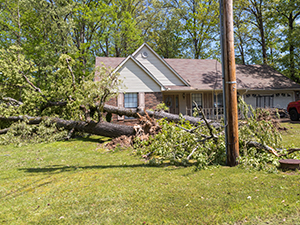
<point x="111" y="62"/>
<point x="108" y="62"/>
<point x="262" y="77"/>
<point x="205" y="74"/>
<point x="199" y="73"/>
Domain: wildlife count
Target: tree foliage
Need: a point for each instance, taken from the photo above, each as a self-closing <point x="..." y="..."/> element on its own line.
<point x="204" y="145"/>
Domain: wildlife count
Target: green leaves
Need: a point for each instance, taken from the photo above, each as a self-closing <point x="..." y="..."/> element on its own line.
<point x="176" y="146"/>
<point x="184" y="144"/>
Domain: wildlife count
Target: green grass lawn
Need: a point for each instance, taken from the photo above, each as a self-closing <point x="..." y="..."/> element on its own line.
<point x="291" y="137"/>
<point x="78" y="182"/>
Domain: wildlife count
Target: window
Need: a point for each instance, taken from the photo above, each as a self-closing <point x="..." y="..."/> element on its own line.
<point x="198" y="99"/>
<point x="264" y="101"/>
<point x="130" y="101"/>
<point x="218" y="100"/>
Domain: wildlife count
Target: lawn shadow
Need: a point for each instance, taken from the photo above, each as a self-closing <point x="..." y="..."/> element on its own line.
<point x="64" y="168"/>
<point x="67" y="168"/>
<point x="24" y="188"/>
<point x="288" y="121"/>
<point x="99" y="139"/>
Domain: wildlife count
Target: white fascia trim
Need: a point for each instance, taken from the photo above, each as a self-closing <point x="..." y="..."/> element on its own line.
<point x="136" y="51"/>
<point x="142" y="67"/>
<point x="162" y="60"/>
<point x="264" y="90"/>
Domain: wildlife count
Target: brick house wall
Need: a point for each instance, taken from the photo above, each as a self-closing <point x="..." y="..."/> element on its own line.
<point x="113" y="102"/>
<point x="152" y="99"/>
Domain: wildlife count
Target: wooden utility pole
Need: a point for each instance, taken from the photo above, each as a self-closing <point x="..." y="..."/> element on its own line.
<point x="229" y="82"/>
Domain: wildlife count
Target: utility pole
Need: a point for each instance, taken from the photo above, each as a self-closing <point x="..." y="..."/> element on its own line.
<point x="229" y="82"/>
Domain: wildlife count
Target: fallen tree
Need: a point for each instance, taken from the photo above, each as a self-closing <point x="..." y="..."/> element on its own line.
<point x="104" y="128"/>
<point x="155" y="114"/>
<point x="101" y="128"/>
<point x="183" y="140"/>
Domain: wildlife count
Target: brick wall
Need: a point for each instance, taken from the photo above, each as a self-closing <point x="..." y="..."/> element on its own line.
<point x="151" y="101"/>
<point x="113" y="102"/>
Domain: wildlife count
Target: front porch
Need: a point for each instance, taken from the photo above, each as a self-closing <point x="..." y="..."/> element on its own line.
<point x="212" y="101"/>
<point x="185" y="103"/>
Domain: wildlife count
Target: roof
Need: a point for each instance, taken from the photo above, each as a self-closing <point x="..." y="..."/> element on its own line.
<point x="262" y="77"/>
<point x="109" y="62"/>
<point x="205" y="74"/>
<point x="199" y="73"/>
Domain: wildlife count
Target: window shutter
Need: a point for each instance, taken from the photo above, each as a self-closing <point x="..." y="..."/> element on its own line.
<point x="141" y="100"/>
<point x="121" y="104"/>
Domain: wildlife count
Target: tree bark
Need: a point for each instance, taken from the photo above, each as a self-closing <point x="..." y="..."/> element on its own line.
<point x="156" y="114"/>
<point x="102" y="128"/>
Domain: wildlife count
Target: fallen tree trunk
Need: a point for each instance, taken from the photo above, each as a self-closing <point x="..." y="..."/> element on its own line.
<point x="102" y="128"/>
<point x="156" y="114"/>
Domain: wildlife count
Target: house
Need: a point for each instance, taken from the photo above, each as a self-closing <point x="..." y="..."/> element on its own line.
<point x="150" y="79"/>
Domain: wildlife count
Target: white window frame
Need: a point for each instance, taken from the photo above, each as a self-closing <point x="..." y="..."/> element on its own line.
<point x="218" y="100"/>
<point x="261" y="99"/>
<point x="131" y="101"/>
<point x="197" y="96"/>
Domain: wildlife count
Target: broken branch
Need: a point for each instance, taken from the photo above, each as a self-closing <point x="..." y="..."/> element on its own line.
<point x="262" y="147"/>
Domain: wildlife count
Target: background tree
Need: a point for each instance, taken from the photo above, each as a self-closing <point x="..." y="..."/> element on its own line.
<point x="287" y="13"/>
<point x="201" y="22"/>
<point x="163" y="30"/>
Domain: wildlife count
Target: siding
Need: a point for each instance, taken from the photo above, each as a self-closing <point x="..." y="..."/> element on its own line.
<point x="207" y="99"/>
<point x="157" y="68"/>
<point x="136" y="80"/>
<point x="282" y="101"/>
<point x="279" y="101"/>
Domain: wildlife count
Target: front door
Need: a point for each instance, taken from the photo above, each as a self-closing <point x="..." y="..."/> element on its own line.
<point x="172" y="101"/>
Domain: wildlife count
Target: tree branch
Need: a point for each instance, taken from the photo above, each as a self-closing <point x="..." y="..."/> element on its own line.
<point x="50" y="104"/>
<point x="189" y="156"/>
<point x="262" y="147"/>
<point x="289" y="151"/>
<point x="72" y="74"/>
<point x="4" y="131"/>
<point x="156" y="114"/>
<point x="12" y="100"/>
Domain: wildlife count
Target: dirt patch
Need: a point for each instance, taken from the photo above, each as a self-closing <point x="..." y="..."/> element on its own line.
<point x="120" y="142"/>
<point x="272" y="116"/>
<point x="145" y="128"/>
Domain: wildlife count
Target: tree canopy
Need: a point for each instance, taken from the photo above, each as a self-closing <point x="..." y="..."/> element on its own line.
<point x="48" y="48"/>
